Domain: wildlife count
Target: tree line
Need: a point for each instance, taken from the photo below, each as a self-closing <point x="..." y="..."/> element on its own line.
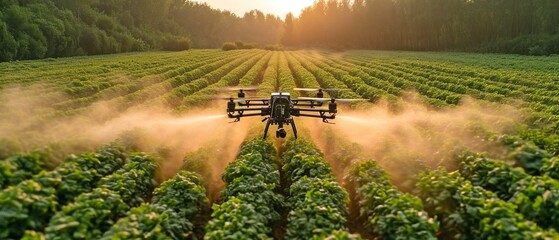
<point x="510" y="26"/>
<point x="35" y="29"/>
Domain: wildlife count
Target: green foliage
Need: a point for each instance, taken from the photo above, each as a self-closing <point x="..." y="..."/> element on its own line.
<point x="525" y="154"/>
<point x="20" y="167"/>
<point x="30" y="204"/>
<point x="340" y="235"/>
<point x="428" y="25"/>
<point x="228" y="46"/>
<point x="32" y="235"/>
<point x="386" y="211"/>
<point x="175" y="43"/>
<point x="171" y="214"/>
<point x="243" y="45"/>
<point x="8" y="44"/>
<point x="275" y="47"/>
<point x="250" y="204"/>
<point x="468" y="211"/>
<point x="94" y="212"/>
<point x="531" y="44"/>
<point x="317" y="202"/>
<point x="535" y="196"/>
<point x="237" y="219"/>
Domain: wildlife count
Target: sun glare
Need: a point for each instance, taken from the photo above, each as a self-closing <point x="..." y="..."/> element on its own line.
<point x="276" y="7"/>
<point x="282" y="7"/>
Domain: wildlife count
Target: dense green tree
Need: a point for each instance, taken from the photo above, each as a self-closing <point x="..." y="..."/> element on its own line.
<point x="289" y="37"/>
<point x="513" y="26"/>
<point x="8" y="44"/>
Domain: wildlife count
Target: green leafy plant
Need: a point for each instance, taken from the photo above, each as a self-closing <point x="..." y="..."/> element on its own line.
<point x="386" y="211"/>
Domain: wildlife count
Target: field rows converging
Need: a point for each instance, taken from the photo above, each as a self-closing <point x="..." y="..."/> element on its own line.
<point x="139" y="145"/>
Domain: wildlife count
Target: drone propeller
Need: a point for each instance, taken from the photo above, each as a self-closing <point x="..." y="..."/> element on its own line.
<point x="331" y="99"/>
<point x="241" y="99"/>
<point x="234" y="89"/>
<point x="320" y="89"/>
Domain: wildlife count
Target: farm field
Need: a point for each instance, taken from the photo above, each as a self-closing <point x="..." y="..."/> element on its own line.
<point x="137" y="145"/>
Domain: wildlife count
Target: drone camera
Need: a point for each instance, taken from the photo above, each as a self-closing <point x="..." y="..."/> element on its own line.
<point x="281" y="133"/>
<point x="332" y="107"/>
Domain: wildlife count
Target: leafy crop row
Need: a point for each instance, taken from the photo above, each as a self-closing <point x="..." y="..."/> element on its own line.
<point x="252" y="75"/>
<point x="250" y="204"/>
<point x="354" y="83"/>
<point x="31" y="203"/>
<point x="530" y="157"/>
<point x="94" y="212"/>
<point x="20" y="167"/>
<point x="387" y="212"/>
<point x="270" y="78"/>
<point x="471" y="212"/>
<point x="173" y="69"/>
<point x="175" y="205"/>
<point x="231" y="78"/>
<point x="536" y="197"/>
<point x="286" y="81"/>
<point x="326" y="79"/>
<point x="304" y="78"/>
<point x="238" y="66"/>
<point x="317" y="202"/>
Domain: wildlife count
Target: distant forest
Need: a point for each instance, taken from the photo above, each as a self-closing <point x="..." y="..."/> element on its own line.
<point x="34" y="29"/>
<point x="506" y="26"/>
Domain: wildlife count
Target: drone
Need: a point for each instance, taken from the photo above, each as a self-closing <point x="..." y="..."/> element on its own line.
<point x="280" y="109"/>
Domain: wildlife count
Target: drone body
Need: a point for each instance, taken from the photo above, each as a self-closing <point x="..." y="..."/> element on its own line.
<point x="280" y="109"/>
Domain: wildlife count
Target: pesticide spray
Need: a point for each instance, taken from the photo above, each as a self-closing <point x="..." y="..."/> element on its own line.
<point x="413" y="137"/>
<point x="155" y="130"/>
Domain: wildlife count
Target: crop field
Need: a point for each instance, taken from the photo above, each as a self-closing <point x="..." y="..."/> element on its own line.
<point x="139" y="146"/>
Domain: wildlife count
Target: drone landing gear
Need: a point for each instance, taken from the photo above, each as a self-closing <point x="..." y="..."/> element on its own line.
<point x="280" y="133"/>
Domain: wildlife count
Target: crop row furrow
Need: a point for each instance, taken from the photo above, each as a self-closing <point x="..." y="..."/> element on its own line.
<point x="250" y="205"/>
<point x="205" y="96"/>
<point x="139" y="84"/>
<point x="230" y="73"/>
<point x="326" y="79"/>
<point x="316" y="201"/>
<point x="303" y="77"/>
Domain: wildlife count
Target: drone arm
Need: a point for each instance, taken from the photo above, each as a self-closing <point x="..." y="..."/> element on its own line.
<point x="241" y="112"/>
<point x="322" y="113"/>
<point x="248" y="104"/>
<point x="231" y="115"/>
<point x="311" y="103"/>
<point x="248" y="109"/>
<point x="254" y="102"/>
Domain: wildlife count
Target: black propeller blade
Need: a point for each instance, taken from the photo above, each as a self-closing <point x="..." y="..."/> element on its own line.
<point x="241" y="99"/>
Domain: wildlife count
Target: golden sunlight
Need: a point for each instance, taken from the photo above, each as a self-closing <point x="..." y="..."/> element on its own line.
<point x="276" y="7"/>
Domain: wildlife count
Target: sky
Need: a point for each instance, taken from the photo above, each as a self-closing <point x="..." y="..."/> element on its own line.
<point x="276" y="7"/>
